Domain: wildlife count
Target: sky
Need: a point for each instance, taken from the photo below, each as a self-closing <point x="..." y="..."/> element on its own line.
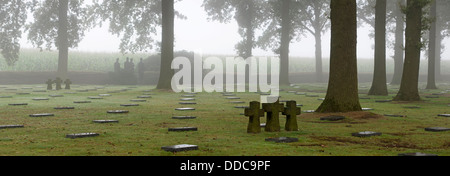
<point x="197" y="33"/>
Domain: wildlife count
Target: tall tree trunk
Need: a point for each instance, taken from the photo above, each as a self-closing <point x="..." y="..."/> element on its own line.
<point x="342" y="93"/>
<point x="439" y="39"/>
<point x="379" y="86"/>
<point x="63" y="41"/>
<point x="319" y="68"/>
<point x="285" y="41"/>
<point x="399" y="43"/>
<point x="431" y="81"/>
<point x="167" y="45"/>
<point x="409" y="90"/>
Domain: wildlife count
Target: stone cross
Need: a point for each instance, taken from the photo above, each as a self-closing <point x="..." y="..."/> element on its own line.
<point x="273" y="115"/>
<point x="67" y="82"/>
<point x="58" y="82"/>
<point x="49" y="84"/>
<point x="254" y="113"/>
<point x="291" y="111"/>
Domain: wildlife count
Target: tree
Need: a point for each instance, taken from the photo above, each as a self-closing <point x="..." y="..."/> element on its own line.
<point x="59" y="23"/>
<point x="13" y="16"/>
<point x="409" y="90"/>
<point x="399" y="42"/>
<point x="342" y="93"/>
<point x="168" y="17"/>
<point x="431" y="81"/>
<point x="379" y="86"/>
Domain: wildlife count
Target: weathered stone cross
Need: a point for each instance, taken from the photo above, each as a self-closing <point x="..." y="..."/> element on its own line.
<point x="291" y="111"/>
<point x="254" y="113"/>
<point x="273" y="115"/>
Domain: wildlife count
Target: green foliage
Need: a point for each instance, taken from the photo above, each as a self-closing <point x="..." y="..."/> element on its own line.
<point x="13" y="15"/>
<point x="44" y="30"/>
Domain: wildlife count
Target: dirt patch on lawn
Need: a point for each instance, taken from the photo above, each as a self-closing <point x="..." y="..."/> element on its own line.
<point x="387" y="143"/>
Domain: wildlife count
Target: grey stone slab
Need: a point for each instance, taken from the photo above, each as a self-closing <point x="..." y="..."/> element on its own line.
<point x="144" y="96"/>
<point x="18" y="104"/>
<point x="366" y="134"/>
<point x="40" y="99"/>
<point x="56" y="95"/>
<point x="232" y="98"/>
<point x="63" y="108"/>
<point x="180" y="129"/>
<point x="394" y="115"/>
<point x="229" y="95"/>
<point x="187" y="99"/>
<point x="128" y="105"/>
<point x="187" y="103"/>
<point x="71" y="93"/>
<point x="309" y="111"/>
<point x="10" y="89"/>
<point x="40" y="91"/>
<point x="10" y="126"/>
<point x="367" y="109"/>
<point x="117" y="111"/>
<point x="188" y="95"/>
<point x="416" y="154"/>
<point x="104" y="95"/>
<point x="82" y="102"/>
<point x="23" y="93"/>
<point x="105" y="121"/>
<point x="138" y="100"/>
<point x="81" y="135"/>
<point x="5" y="96"/>
<point x="383" y="101"/>
<point x="364" y="98"/>
<point x="185" y="109"/>
<point x="437" y="129"/>
<point x="432" y="96"/>
<point x="312" y="95"/>
<point x="180" y="148"/>
<point x="332" y="118"/>
<point x="444" y="115"/>
<point x="321" y="99"/>
<point x="42" y="115"/>
<point x="291" y="91"/>
<point x="82" y="90"/>
<point x="237" y="102"/>
<point x="95" y="98"/>
<point x="241" y="107"/>
<point x="282" y="139"/>
<point x="299" y="105"/>
<point x="300" y="93"/>
<point x="184" y="117"/>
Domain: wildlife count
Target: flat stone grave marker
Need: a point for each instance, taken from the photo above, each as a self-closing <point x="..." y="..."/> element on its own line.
<point x="185" y="109"/>
<point x="383" y="101"/>
<point x="332" y="118"/>
<point x="432" y="96"/>
<point x="438" y="93"/>
<point x="180" y="148"/>
<point x="183" y="117"/>
<point x="11" y="89"/>
<point x="63" y="108"/>
<point x="291" y="91"/>
<point x="364" y="98"/>
<point x="232" y="98"/>
<point x="229" y="95"/>
<point x="26" y="88"/>
<point x="366" y="134"/>
<point x="300" y="93"/>
<point x="10" y="126"/>
<point x="40" y="99"/>
<point x="309" y="111"/>
<point x="180" y="129"/>
<point x="117" y="111"/>
<point x="70" y="93"/>
<point x="18" y="104"/>
<point x="91" y="89"/>
<point x="282" y="139"/>
<point x="188" y="95"/>
<point x="321" y="99"/>
<point x="264" y="93"/>
<point x="5" y="96"/>
<point x="138" y="100"/>
<point x="56" y="95"/>
<point x="95" y="98"/>
<point x="237" y="102"/>
<point x="81" y="135"/>
<point x="444" y="115"/>
<point x="187" y="99"/>
<point x="412" y="107"/>
<point x="113" y="91"/>
<point x="241" y="107"/>
<point x="416" y="154"/>
<point x="147" y="94"/>
<point x="82" y="102"/>
<point x="437" y="129"/>
<point x="394" y="115"/>
<point x="42" y="115"/>
<point x="82" y="91"/>
<point x="144" y="96"/>
<point x="366" y="109"/>
<point x="23" y="93"/>
<point x="187" y="103"/>
<point x="39" y="91"/>
<point x="262" y="125"/>
<point x="299" y="105"/>
<point x="127" y="105"/>
<point x="146" y="90"/>
<point x="312" y="95"/>
<point x="105" y="121"/>
<point x="104" y="95"/>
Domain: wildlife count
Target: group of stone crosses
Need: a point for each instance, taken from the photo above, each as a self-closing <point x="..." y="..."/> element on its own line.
<point x="273" y="110"/>
<point x="58" y="81"/>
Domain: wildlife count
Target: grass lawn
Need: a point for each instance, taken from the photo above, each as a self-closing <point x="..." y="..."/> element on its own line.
<point x="221" y="128"/>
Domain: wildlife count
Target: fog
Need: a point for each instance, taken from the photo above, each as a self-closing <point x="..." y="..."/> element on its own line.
<point x="196" y="33"/>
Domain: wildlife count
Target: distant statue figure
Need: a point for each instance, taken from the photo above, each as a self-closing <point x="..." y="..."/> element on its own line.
<point x="126" y="65"/>
<point x="132" y="66"/>
<point x="49" y="84"/>
<point x="58" y="82"/>
<point x="141" y="69"/>
<point x="67" y="82"/>
<point x="117" y="66"/>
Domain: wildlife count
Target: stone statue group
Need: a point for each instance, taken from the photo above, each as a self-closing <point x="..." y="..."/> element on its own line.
<point x="127" y="74"/>
<point x="58" y="81"/>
